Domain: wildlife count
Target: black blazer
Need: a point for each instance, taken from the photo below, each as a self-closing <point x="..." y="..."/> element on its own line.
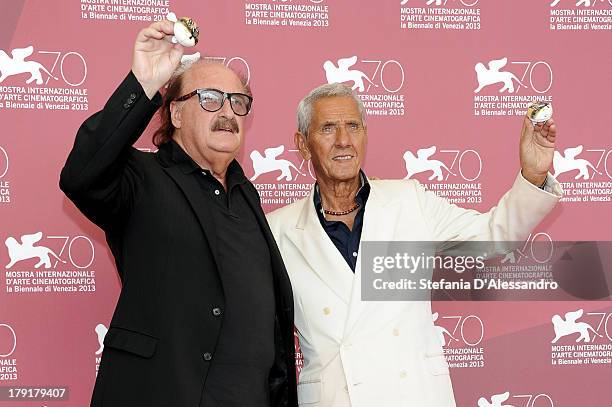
<point x="158" y="346"/>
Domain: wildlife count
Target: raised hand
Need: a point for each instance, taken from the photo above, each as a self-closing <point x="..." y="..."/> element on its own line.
<point x="155" y="56"/>
<point x="536" y="150"/>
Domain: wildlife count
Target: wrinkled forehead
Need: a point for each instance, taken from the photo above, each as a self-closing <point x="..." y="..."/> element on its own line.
<point x="335" y="109"/>
<point x="212" y="75"/>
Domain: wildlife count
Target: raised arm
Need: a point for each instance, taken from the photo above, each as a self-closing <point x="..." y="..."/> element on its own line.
<point x="100" y="175"/>
<point x="532" y="196"/>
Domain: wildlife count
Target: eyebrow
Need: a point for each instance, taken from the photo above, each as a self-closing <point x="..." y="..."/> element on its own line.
<point x="350" y="121"/>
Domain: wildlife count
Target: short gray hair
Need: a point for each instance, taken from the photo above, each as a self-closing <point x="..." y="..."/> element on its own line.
<point x="304" y="110"/>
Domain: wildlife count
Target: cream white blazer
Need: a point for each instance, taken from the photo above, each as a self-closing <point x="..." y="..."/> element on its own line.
<point x="384" y="354"/>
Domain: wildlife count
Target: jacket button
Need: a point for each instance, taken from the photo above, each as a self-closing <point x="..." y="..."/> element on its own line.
<point x="216" y="311"/>
<point x="132" y="96"/>
<point x="207" y="356"/>
<point x="126" y="105"/>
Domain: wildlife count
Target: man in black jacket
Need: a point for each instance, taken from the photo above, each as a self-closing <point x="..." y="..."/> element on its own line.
<point x="205" y="314"/>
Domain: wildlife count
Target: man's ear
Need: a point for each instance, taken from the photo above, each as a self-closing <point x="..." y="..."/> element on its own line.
<point x="175" y="114"/>
<point x="301" y="145"/>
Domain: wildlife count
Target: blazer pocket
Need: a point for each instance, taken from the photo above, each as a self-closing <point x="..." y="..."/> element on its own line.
<point x="437" y="364"/>
<point x="131" y="341"/>
<point x="309" y="392"/>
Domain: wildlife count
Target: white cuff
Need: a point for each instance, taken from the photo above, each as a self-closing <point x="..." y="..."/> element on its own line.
<point x="551" y="186"/>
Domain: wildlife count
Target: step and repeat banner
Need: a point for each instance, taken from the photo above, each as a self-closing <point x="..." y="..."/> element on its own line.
<point x="445" y="84"/>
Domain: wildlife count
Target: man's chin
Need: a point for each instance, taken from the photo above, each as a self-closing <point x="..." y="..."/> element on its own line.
<point x="345" y="176"/>
<point x="225" y="152"/>
<point x="224" y="146"/>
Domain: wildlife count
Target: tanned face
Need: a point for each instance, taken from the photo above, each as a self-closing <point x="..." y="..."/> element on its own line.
<point x="336" y="140"/>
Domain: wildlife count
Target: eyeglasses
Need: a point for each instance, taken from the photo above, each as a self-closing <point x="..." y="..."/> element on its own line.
<point x="212" y="100"/>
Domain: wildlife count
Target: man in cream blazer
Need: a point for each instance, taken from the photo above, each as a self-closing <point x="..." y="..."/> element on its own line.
<point x="381" y="354"/>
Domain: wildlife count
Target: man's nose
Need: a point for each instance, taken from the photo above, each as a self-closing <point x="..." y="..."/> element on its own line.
<point x="226" y="109"/>
<point x="343" y="137"/>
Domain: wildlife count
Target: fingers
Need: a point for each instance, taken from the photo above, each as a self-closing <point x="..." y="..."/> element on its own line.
<point x="149" y="32"/>
<point x="165" y="26"/>
<point x="551" y="133"/>
<point x="547" y="135"/>
<point x="527" y="125"/>
<point x="549" y="130"/>
<point x="527" y="130"/>
<point x="549" y="124"/>
<point x="158" y="30"/>
<point x="543" y="133"/>
<point x="176" y="53"/>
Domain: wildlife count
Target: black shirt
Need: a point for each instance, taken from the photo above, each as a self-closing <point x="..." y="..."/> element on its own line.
<point x="244" y="354"/>
<point x="346" y="240"/>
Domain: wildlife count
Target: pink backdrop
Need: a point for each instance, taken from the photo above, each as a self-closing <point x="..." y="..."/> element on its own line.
<point x="427" y="81"/>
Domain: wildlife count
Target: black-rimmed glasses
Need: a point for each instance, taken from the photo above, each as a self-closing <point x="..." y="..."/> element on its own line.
<point x="212" y="100"/>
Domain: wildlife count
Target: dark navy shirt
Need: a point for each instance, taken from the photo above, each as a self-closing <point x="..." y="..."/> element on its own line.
<point x="346" y="240"/>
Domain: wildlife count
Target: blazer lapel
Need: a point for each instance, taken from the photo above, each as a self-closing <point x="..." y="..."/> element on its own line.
<point x="178" y="169"/>
<point x="319" y="251"/>
<point x="379" y="224"/>
<point x="193" y="192"/>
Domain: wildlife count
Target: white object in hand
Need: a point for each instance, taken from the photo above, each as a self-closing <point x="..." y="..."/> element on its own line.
<point x="539" y="112"/>
<point x="185" y="30"/>
<point x="190" y="58"/>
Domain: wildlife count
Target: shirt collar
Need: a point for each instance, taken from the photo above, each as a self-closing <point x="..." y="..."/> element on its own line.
<point x="234" y="175"/>
<point x="361" y="197"/>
